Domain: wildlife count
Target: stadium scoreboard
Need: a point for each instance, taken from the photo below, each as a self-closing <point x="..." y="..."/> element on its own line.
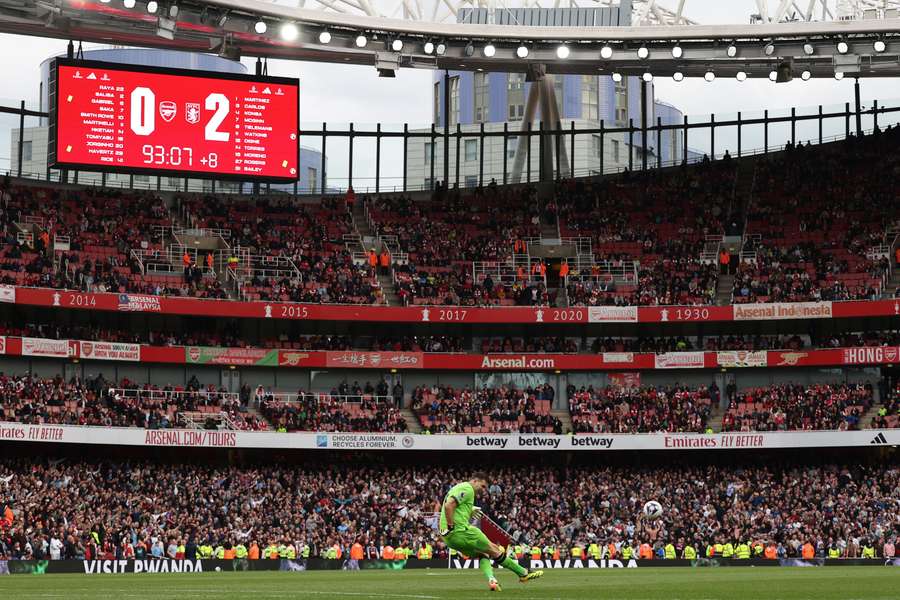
<point x="149" y="120"/>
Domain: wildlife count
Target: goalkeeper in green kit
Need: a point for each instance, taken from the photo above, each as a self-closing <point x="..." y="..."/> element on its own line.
<point x="457" y="511"/>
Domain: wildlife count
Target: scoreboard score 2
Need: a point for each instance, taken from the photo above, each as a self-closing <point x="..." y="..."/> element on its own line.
<point x="148" y="120"/>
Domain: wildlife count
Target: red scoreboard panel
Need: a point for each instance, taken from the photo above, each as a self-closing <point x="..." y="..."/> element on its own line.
<point x="135" y="119"/>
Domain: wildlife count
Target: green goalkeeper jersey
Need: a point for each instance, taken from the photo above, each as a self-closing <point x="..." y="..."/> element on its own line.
<point x="464" y="494"/>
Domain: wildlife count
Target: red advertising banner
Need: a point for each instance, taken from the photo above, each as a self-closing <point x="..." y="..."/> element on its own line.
<point x="618" y="362"/>
<point x="405" y="314"/>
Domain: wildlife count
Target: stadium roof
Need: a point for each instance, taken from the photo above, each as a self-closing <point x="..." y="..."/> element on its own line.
<point x="865" y="48"/>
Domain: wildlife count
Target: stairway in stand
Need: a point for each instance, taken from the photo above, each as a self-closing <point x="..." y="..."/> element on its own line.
<point x="563" y="415"/>
<point x="870" y="414"/>
<point x="890" y="288"/>
<point x="370" y="240"/>
<point x="412" y="422"/>
<point x="724" y="289"/>
<point x="387" y="287"/>
<point x="715" y="418"/>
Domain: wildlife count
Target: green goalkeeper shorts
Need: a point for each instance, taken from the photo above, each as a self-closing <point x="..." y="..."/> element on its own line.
<point x="469" y="541"/>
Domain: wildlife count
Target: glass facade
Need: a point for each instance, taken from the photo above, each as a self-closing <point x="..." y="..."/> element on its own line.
<point x="482" y="97"/>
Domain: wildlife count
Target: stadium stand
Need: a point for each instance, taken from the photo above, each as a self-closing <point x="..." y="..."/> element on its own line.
<point x="800" y="241"/>
<point x="618" y="410"/>
<point x="115" y="509"/>
<point x="792" y="407"/>
<point x="444" y="409"/>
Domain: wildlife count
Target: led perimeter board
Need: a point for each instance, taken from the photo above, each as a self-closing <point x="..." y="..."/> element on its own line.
<point x="149" y="120"/>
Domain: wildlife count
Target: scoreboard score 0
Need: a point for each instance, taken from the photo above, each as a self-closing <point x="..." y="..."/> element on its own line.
<point x="149" y="120"/>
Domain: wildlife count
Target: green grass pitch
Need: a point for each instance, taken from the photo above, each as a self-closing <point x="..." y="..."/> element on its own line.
<point x="772" y="583"/>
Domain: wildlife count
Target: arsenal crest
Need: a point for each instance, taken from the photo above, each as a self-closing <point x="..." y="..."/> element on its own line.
<point x="192" y="112"/>
<point x="167" y="110"/>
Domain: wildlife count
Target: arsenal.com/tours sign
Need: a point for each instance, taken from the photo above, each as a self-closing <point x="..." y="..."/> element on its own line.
<point x="183" y="438"/>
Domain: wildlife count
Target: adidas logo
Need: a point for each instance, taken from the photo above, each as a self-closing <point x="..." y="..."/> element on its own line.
<point x="879" y="439"/>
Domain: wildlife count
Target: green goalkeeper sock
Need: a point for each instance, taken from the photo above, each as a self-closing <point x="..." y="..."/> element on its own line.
<point x="485" y="565"/>
<point x="513" y="565"/>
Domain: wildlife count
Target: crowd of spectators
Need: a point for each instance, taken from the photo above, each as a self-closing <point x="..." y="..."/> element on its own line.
<point x="96" y="229"/>
<point x="98" y="402"/>
<point x="73" y="508"/>
<point x="888" y="414"/>
<point x="631" y="218"/>
<point x="816" y="214"/>
<point x="619" y="409"/>
<point x="444" y="236"/>
<point x="331" y="412"/>
<point x="504" y="409"/>
<point x="331" y="278"/>
<point x="793" y="407"/>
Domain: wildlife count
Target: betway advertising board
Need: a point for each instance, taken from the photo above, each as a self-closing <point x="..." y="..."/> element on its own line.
<point x="183" y="438"/>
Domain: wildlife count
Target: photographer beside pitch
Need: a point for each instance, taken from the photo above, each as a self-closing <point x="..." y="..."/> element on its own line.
<point x="457" y="510"/>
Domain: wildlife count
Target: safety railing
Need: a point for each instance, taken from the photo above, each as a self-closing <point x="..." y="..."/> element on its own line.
<point x="173" y="396"/>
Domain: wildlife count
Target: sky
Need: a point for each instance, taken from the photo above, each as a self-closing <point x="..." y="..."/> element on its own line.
<point x="338" y="94"/>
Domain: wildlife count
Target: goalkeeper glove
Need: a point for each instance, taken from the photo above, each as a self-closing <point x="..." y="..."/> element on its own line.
<point x="444" y="532"/>
<point x="477" y="513"/>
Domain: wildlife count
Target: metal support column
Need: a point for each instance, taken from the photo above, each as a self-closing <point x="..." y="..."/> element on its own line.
<point x="820" y="123"/>
<point x="21" y="135"/>
<point x="378" y="158"/>
<point x="602" y="145"/>
<point x="322" y="166"/>
<point x="458" y="139"/>
<point x="431" y="158"/>
<point x="505" y="148"/>
<point x="350" y="160"/>
<point x="766" y="131"/>
<point x="572" y="151"/>
<point x="793" y="126"/>
<point x="858" y="107"/>
<point x="684" y="156"/>
<point x="712" y="137"/>
<point x="481" y="155"/>
<point x="405" y="151"/>
<point x="739" y="145"/>
<point x="643" y="125"/>
<point x="631" y="144"/>
<point x="659" y="142"/>
<point x="847" y="119"/>
<point x="447" y="128"/>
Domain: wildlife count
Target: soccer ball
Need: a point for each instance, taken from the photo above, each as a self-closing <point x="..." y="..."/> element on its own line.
<point x="218" y="569"/>
<point x="653" y="510"/>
